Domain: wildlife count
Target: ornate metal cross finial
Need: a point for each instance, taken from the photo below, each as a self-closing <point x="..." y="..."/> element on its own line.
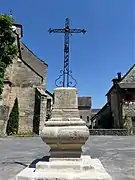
<point x="66" y="73"/>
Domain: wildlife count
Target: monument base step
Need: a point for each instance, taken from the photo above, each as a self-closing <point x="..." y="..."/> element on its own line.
<point x="83" y="168"/>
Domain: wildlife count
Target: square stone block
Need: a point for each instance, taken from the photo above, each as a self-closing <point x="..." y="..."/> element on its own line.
<point x="65" y="98"/>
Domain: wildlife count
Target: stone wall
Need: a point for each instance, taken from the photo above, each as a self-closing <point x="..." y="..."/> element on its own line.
<point x="26" y="101"/>
<point x="43" y="109"/>
<point x="6" y="92"/>
<point x="85" y="115"/>
<point x="129" y="115"/>
<point x="3" y="119"/>
<point x="23" y="76"/>
<point x="115" y="99"/>
<point x="24" y="81"/>
<point x="111" y="132"/>
<point x="129" y="109"/>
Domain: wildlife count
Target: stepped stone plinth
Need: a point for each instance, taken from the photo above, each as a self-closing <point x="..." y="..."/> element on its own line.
<point x="65" y="133"/>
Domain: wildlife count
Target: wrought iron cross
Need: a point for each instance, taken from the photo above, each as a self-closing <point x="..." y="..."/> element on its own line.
<point x="66" y="73"/>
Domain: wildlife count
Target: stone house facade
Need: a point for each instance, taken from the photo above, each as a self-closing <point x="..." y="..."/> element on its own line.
<point x="25" y="79"/>
<point x="120" y="107"/>
<point x="84" y="106"/>
<point x="85" y="109"/>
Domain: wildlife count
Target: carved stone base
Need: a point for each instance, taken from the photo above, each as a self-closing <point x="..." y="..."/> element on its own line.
<point x="65" y="132"/>
<point x="83" y="168"/>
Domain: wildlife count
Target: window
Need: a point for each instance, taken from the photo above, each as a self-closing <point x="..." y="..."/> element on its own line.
<point x="133" y="119"/>
<point x="99" y="122"/>
<point x="128" y="97"/>
<point x="81" y="117"/>
<point x="88" y="118"/>
<point x="48" y="103"/>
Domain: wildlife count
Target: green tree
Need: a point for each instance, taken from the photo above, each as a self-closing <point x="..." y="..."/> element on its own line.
<point x="13" y="122"/>
<point x="8" y="49"/>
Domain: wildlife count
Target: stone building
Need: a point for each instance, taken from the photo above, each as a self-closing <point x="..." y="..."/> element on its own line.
<point x="85" y="109"/>
<point x="119" y="111"/>
<point x="25" y="80"/>
<point x="84" y="106"/>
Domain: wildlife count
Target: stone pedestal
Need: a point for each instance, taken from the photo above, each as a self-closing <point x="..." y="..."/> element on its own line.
<point x="65" y="133"/>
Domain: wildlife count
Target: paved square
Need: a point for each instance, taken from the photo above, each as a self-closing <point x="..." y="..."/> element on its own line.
<point x="116" y="153"/>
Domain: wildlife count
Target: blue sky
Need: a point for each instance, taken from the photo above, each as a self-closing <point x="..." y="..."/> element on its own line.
<point x="97" y="56"/>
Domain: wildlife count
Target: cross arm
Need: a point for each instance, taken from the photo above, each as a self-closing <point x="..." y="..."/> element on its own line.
<point x="78" y="31"/>
<point x="56" y="30"/>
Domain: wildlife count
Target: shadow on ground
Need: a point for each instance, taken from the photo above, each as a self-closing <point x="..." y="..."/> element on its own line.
<point x="43" y="159"/>
<point x="32" y="164"/>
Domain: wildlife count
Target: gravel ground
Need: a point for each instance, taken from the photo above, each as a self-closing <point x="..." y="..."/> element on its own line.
<point x="117" y="154"/>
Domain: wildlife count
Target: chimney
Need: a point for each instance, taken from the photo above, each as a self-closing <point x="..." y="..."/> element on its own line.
<point x="115" y="81"/>
<point x="119" y="76"/>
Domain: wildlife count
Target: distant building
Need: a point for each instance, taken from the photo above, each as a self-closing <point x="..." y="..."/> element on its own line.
<point x="84" y="106"/>
<point x="86" y="113"/>
<point x="119" y="111"/>
<point x="103" y="118"/>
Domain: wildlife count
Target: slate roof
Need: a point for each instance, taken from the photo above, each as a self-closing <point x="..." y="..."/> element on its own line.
<point x="127" y="72"/>
<point x="123" y="85"/>
<point x="101" y="110"/>
<point x="127" y="85"/>
<point x="95" y="110"/>
<point x="32" y="60"/>
<point x="84" y="101"/>
<point x="113" y="86"/>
